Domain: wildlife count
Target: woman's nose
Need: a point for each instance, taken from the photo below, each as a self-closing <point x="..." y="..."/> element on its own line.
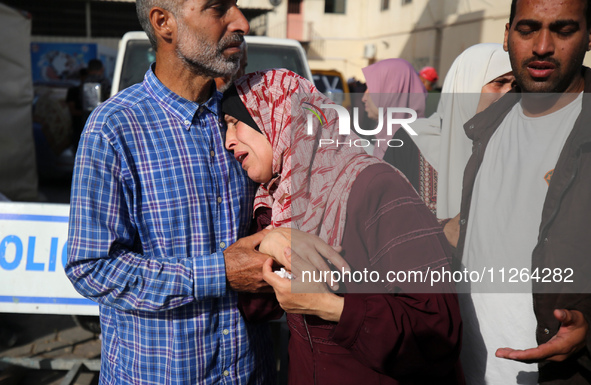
<point x="230" y="138"/>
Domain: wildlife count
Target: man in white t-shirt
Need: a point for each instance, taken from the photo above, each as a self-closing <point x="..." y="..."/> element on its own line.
<point x="526" y="208"/>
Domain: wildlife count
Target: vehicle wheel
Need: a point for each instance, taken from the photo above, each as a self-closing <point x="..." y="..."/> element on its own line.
<point x="88" y="322"/>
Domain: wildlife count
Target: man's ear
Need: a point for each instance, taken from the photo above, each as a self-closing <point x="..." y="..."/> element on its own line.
<point x="164" y="23"/>
<point x="506" y="39"/>
<point x="589" y="43"/>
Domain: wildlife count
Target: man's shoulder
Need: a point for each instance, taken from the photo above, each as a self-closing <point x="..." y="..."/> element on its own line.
<point x="477" y="127"/>
<point x="128" y="98"/>
<point x="119" y="107"/>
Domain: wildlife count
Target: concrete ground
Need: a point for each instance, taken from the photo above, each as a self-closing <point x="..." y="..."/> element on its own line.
<point x="46" y="347"/>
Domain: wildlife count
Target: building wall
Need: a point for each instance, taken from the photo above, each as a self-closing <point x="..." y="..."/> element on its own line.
<point x="424" y="32"/>
<point x="277" y="20"/>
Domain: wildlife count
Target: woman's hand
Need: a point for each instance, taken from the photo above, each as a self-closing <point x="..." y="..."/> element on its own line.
<point x="310" y="249"/>
<point x="274" y="243"/>
<point x="318" y="301"/>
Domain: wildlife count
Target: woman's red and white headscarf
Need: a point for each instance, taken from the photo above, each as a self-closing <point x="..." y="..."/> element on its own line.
<point x="312" y="182"/>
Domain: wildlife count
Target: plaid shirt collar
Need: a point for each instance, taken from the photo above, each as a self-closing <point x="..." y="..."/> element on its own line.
<point x="178" y="106"/>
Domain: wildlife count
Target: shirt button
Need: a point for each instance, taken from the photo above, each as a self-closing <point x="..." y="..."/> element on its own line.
<point x="462" y="221"/>
<point x="219" y="199"/>
<point x="226" y="332"/>
<point x="546" y="331"/>
<point x="212" y="153"/>
<point x="226" y="373"/>
<point x="471" y="126"/>
<point x="222" y="244"/>
<point x="187" y="122"/>
<point x="545" y="240"/>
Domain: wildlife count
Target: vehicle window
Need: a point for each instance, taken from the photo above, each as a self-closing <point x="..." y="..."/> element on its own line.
<point x="262" y="57"/>
<point x="138" y="57"/>
<point x="327" y="82"/>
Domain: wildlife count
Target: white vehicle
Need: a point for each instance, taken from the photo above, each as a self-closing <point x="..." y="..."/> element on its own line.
<point x="135" y="55"/>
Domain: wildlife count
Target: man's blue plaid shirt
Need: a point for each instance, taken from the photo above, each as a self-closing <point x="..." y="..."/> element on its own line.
<point x="155" y="200"/>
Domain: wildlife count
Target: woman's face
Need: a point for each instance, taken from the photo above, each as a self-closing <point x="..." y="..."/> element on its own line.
<point x="370" y="107"/>
<point x="493" y="90"/>
<point x="251" y="149"/>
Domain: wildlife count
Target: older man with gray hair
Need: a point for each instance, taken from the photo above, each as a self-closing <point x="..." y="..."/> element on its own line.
<point x="157" y="210"/>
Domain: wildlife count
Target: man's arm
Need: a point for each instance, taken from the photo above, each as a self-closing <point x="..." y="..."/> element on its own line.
<point x="105" y="260"/>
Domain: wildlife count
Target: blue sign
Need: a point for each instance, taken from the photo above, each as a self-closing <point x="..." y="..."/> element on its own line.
<point x="60" y="63"/>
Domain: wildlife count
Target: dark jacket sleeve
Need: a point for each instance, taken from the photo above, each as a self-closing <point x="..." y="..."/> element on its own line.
<point x="260" y="307"/>
<point x="584" y="306"/>
<point x="397" y="333"/>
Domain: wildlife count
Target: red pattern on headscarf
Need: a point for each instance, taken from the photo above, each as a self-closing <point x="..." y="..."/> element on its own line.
<point x="311" y="183"/>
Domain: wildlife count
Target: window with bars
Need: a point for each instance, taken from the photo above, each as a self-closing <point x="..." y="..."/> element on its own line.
<point x="294" y="6"/>
<point x="405" y="2"/>
<point x="334" y="6"/>
<point x="385" y="5"/>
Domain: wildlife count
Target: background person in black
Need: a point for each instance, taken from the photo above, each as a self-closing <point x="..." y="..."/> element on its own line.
<point x="79" y="108"/>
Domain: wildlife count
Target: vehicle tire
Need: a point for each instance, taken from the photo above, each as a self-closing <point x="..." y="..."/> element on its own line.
<point x="88" y="322"/>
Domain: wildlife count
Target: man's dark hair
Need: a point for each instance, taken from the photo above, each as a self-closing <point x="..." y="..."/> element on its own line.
<point x="587" y="13"/>
<point x="95" y="65"/>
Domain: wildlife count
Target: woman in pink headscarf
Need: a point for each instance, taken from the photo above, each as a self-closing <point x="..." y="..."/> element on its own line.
<point x="349" y="199"/>
<point x="395" y="83"/>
